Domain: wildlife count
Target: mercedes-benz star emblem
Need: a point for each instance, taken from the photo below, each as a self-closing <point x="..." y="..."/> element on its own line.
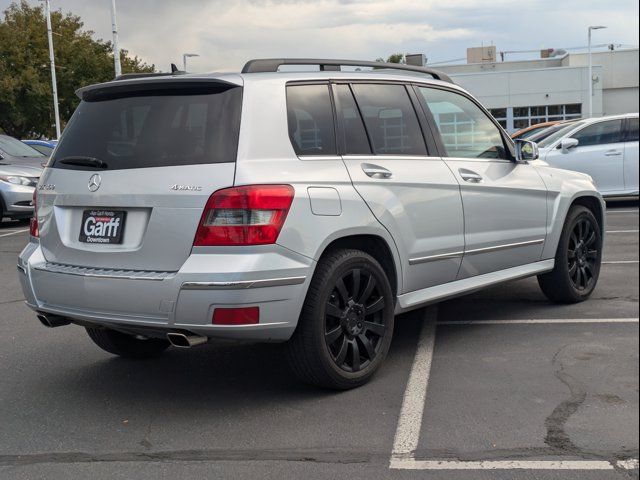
<point x="94" y="182"/>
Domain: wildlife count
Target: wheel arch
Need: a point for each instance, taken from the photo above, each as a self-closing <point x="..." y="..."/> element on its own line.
<point x="377" y="247"/>
<point x="595" y="205"/>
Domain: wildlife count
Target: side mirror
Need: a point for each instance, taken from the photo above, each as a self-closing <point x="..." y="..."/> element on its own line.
<point x="526" y="150"/>
<point x="568" y="143"/>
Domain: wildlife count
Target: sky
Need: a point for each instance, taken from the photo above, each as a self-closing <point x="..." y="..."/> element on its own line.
<point x="226" y="33"/>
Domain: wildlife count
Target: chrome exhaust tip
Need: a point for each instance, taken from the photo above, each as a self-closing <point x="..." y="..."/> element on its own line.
<point x="52" y="321"/>
<point x="185" y="340"/>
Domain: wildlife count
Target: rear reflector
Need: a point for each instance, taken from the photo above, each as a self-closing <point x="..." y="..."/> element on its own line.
<point x="236" y="316"/>
<point x="248" y="215"/>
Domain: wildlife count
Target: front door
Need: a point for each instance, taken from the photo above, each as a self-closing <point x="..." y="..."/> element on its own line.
<point x="505" y="203"/>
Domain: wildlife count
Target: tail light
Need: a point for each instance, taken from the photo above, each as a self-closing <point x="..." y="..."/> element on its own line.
<point x="33" y="223"/>
<point x="248" y="215"/>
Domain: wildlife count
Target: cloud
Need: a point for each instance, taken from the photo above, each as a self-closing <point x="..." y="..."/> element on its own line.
<point x="226" y="33"/>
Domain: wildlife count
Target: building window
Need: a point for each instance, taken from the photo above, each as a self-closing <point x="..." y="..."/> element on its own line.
<point x="515" y="118"/>
<point x="500" y="114"/>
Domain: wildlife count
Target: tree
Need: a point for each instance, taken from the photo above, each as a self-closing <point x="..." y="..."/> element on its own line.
<point x="393" y="58"/>
<point x="26" y="99"/>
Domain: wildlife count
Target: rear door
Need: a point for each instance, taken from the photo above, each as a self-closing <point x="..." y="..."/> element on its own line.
<point x="409" y="189"/>
<point x="505" y="203"/>
<point x="631" y="156"/>
<point x="600" y="153"/>
<point x="133" y="171"/>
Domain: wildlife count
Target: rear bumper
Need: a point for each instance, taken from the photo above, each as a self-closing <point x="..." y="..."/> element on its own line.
<point x="273" y="279"/>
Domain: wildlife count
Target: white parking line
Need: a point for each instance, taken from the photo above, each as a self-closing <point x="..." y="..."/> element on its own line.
<point x="14" y="233"/>
<point x="539" y="321"/>
<point x="407" y="434"/>
<point x="411" y="464"/>
<point x="613" y="212"/>
<point x="410" y="421"/>
<point x="620" y="262"/>
<point x="622" y="231"/>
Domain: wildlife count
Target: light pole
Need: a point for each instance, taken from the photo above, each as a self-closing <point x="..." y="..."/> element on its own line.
<point x="184" y="59"/>
<point x="52" y="61"/>
<point x="114" y="31"/>
<point x="590" y="104"/>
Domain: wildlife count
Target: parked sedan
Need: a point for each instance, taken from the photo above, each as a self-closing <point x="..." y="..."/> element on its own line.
<point x="605" y="148"/>
<point x="17" y="184"/>
<point x="20" y="169"/>
<point x="43" y="146"/>
<point x="15" y="152"/>
<point x="543" y="133"/>
<point x="528" y="132"/>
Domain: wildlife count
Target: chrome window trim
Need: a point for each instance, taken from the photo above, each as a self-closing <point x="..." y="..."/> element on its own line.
<point x="319" y="157"/>
<point x="390" y="156"/>
<point x="243" y="284"/>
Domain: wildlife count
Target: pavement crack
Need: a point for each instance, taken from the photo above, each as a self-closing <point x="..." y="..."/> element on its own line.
<point x="556" y="436"/>
<point x="314" y="456"/>
<point x="6" y="302"/>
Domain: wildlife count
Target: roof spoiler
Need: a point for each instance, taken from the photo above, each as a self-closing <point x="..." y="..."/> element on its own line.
<point x="272" y="65"/>
<point x="129" y="76"/>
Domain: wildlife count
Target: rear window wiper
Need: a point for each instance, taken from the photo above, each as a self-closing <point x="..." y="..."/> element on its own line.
<point x="90" y="162"/>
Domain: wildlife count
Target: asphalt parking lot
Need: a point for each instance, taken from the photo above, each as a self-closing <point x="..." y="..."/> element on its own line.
<point x="515" y="388"/>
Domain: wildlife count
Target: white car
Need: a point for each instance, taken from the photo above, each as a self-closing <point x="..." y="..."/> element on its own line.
<point x="605" y="148"/>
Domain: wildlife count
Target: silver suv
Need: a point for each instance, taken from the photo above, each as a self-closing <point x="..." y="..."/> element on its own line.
<point x="307" y="207"/>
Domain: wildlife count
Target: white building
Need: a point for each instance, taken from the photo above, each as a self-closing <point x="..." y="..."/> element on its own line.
<point x="523" y="93"/>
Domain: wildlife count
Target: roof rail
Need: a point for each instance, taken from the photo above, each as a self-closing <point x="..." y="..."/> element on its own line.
<point x="272" y="65"/>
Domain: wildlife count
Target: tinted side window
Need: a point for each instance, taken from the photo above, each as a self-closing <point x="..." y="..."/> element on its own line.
<point x="310" y="117"/>
<point x="352" y="135"/>
<point x="600" y="133"/>
<point x="465" y="129"/>
<point x="632" y="134"/>
<point x="390" y="119"/>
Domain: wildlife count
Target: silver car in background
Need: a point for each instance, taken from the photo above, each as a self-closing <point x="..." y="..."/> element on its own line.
<point x="300" y="207"/>
<point x="20" y="170"/>
<point x="606" y="148"/>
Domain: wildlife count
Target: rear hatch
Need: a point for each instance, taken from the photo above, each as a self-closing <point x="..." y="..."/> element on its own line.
<point x="134" y="168"/>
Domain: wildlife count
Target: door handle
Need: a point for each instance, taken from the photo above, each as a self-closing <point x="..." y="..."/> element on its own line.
<point x="375" y="171"/>
<point x="470" y="176"/>
<point x="613" y="153"/>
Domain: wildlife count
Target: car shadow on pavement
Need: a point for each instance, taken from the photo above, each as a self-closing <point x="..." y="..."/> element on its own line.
<point x="221" y="374"/>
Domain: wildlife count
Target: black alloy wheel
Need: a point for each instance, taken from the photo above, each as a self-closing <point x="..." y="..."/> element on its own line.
<point x="346" y="324"/>
<point x="578" y="258"/>
<point x="354" y="322"/>
<point x="583" y="254"/>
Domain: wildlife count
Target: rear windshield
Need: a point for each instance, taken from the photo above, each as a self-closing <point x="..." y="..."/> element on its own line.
<point x="160" y="127"/>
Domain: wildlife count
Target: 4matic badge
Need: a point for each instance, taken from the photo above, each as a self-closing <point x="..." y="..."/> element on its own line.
<point x="186" y="188"/>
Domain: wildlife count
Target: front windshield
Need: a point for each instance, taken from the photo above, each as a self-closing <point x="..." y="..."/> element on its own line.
<point x="16" y="148"/>
<point x="551" y="139"/>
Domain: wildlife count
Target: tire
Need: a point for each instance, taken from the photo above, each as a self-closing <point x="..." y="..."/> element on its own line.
<point x="346" y="324"/>
<point x="578" y="259"/>
<point x="127" y="346"/>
